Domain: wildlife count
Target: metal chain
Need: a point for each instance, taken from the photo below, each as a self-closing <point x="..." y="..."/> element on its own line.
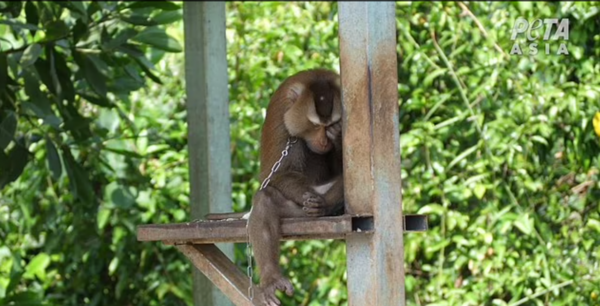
<point x="265" y="183"/>
<point x="284" y="153"/>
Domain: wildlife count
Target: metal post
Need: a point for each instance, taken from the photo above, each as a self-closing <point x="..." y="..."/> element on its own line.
<point x="208" y="125"/>
<point x="372" y="151"/>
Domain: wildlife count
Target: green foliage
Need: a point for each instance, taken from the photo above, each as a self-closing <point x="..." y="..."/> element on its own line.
<point x="498" y="149"/>
<point x="72" y="150"/>
<point x="503" y="157"/>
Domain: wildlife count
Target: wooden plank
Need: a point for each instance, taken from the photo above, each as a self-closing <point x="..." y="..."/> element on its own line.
<point x="371" y="151"/>
<point x="235" y="230"/>
<point x="222" y="272"/>
<point x="412" y="222"/>
<point x="208" y="124"/>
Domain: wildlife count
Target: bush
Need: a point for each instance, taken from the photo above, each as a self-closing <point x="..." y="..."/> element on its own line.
<point x="499" y="149"/>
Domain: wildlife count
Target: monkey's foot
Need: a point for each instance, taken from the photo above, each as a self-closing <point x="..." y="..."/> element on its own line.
<point x="281" y="284"/>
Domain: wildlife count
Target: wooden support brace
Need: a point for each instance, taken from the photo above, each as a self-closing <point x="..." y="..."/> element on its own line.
<point x="221" y="272"/>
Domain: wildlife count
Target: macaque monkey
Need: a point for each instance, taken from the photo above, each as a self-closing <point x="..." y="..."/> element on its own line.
<point x="309" y="180"/>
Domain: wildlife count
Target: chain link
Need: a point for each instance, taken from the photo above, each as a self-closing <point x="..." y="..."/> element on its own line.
<point x="265" y="183"/>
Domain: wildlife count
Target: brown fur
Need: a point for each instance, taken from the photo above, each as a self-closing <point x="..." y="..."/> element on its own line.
<point x="309" y="181"/>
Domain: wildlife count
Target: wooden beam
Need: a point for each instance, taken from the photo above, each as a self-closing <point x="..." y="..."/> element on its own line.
<point x="372" y="151"/>
<point x="208" y="124"/>
<point x="235" y="230"/>
<point x="222" y="272"/>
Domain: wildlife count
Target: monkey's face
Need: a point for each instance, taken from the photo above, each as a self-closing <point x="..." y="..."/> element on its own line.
<point x="315" y="110"/>
<point x="316" y="139"/>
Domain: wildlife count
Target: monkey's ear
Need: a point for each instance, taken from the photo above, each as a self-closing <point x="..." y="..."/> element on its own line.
<point x="295" y="91"/>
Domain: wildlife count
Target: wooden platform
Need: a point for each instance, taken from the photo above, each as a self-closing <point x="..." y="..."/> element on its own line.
<point x="234" y="230"/>
<point x="196" y="240"/>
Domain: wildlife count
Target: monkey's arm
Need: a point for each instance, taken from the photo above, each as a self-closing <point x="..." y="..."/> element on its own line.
<point x="334" y="197"/>
<point x="292" y="184"/>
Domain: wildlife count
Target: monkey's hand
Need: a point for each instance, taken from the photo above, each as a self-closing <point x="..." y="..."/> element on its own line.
<point x="334" y="131"/>
<point x="314" y="205"/>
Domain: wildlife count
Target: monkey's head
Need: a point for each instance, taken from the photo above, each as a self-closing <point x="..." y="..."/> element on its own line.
<point x="315" y="105"/>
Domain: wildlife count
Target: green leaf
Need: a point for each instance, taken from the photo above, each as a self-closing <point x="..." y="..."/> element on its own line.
<point x="121" y="38"/>
<point x="53" y="159"/>
<point x="39" y="102"/>
<point x="163" y="5"/>
<point x="76" y="122"/>
<point x="31" y="54"/>
<point x="136" y="54"/>
<point x="112" y="267"/>
<point x="18" y="157"/>
<point x="124" y="152"/>
<point x="593" y="224"/>
<point x="63" y="73"/>
<point x="431" y="76"/>
<point x="102" y="217"/>
<point x="138" y="20"/>
<point x="539" y="139"/>
<point x="47" y="12"/>
<point x="79" y="31"/>
<point x="524" y="223"/>
<point x="56" y="30"/>
<point x="118" y="196"/>
<point x="16" y="25"/>
<point x="25" y="298"/>
<point x="77" y="9"/>
<point x="141" y="60"/>
<point x="158" y="38"/>
<point x="432" y="209"/>
<point x="14" y="8"/>
<point x="16" y="271"/>
<point x="479" y="191"/>
<point x="31" y="14"/>
<point x="42" y="67"/>
<point x="49" y="118"/>
<point x="3" y="71"/>
<point x="79" y="181"/>
<point x="51" y="55"/>
<point x="37" y="266"/>
<point x="168" y="17"/>
<point x="7" y="130"/>
<point x="149" y="74"/>
<point x="93" y="76"/>
<point x="462" y="156"/>
<point x="134" y="73"/>
<point x="100" y="101"/>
